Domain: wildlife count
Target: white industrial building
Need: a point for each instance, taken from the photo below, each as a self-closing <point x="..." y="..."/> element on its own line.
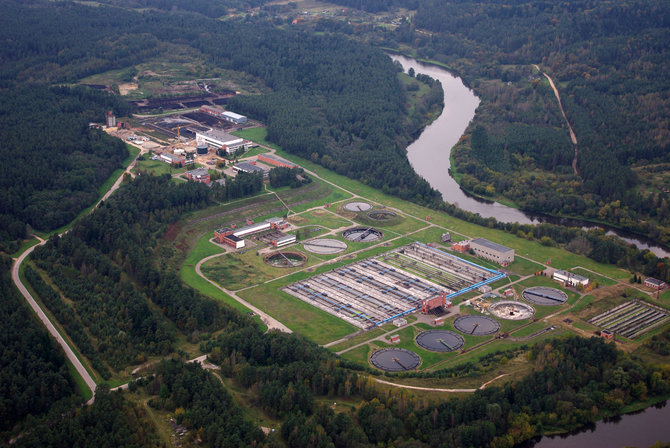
<point x="570" y="279"/>
<point x="221" y="139"/>
<point x="233" y="117"/>
<point x="492" y="251"/>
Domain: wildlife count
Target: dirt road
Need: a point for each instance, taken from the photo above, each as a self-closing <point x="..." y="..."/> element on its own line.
<point x="573" y="137"/>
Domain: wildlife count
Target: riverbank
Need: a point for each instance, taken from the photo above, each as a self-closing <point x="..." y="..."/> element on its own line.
<point x="432" y="152"/>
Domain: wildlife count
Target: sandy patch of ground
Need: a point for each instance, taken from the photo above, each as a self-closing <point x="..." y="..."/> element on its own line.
<point x="126" y="88"/>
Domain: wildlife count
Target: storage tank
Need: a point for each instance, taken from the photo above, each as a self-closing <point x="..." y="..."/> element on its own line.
<point x="202" y="148"/>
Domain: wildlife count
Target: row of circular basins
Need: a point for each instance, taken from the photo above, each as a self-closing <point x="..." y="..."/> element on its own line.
<point x="401" y="360"/>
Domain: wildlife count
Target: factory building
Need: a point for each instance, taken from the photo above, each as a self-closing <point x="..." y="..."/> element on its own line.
<point x="198" y="175"/>
<point x="233" y="117"/>
<point x="275" y="161"/>
<point x="171" y="159"/>
<point x="284" y="240"/>
<point x="225" y="236"/>
<point x="235" y="238"/>
<point x="219" y="112"/>
<point x="492" y="251"/>
<point x="247" y="167"/>
<point x="223" y="140"/>
<point x="655" y="283"/>
<point x="570" y="279"/>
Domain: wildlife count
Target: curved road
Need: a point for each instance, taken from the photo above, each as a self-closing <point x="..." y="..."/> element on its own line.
<point x="271" y="322"/>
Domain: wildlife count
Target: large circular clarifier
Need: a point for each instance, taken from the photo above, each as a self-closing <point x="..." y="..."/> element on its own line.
<point x="476" y="325"/>
<point x="395" y="360"/>
<point x="440" y="340"/>
<point x="357" y="206"/>
<point x="363" y="234"/>
<point x="511" y="310"/>
<point x="325" y="246"/>
<point x="543" y="295"/>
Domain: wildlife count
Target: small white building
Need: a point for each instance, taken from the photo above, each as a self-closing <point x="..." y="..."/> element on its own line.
<point x="570" y="279"/>
<point x="233" y="117"/>
<point x="400" y="322"/>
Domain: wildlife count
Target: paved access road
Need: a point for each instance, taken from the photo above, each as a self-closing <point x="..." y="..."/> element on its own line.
<point x="47" y="323"/>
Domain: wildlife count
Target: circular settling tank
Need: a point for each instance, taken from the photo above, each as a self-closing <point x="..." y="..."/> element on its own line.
<point x="440" y="340"/>
<point x="285" y="259"/>
<point x="357" y="206"/>
<point x="395" y="360"/>
<point x="325" y="246"/>
<point x="363" y="234"/>
<point x="543" y="295"/>
<point x="476" y="325"/>
<point x="511" y="310"/>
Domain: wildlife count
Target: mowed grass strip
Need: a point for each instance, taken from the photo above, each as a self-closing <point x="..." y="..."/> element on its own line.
<point x="321" y="218"/>
<point x="301" y="317"/>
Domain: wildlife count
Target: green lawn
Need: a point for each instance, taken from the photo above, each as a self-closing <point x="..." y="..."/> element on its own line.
<point x="321" y="218"/>
<point x="156" y="167"/>
<point x="301" y="317"/>
<point x="256" y="135"/>
<point x="240" y="270"/>
<point x="254" y="152"/>
<point x="602" y="281"/>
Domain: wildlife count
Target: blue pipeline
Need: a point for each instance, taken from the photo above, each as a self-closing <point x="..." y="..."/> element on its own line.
<point x="476" y="285"/>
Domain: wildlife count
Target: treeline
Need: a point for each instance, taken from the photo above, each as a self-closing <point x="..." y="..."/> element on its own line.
<point x="106" y="266"/>
<point x="575" y="381"/>
<point x="54" y="163"/>
<point x="33" y="372"/>
<point x="293" y="177"/>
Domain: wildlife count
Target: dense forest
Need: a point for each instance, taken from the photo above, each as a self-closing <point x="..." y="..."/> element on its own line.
<point x="54" y="162"/>
<point x="108" y="258"/>
<point x="33" y="373"/>
<point x="608" y="60"/>
<point x="110" y="421"/>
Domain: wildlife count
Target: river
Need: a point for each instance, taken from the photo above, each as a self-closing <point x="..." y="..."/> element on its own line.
<point x="640" y="429"/>
<point x="429" y="156"/>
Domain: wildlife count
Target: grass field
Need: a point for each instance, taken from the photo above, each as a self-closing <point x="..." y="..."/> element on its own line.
<point x="256" y="135"/>
<point x="254" y="152"/>
<point x="321" y="218"/>
<point x="157" y="167"/>
<point x="602" y="281"/>
<point x="299" y="316"/>
<point x="236" y="271"/>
